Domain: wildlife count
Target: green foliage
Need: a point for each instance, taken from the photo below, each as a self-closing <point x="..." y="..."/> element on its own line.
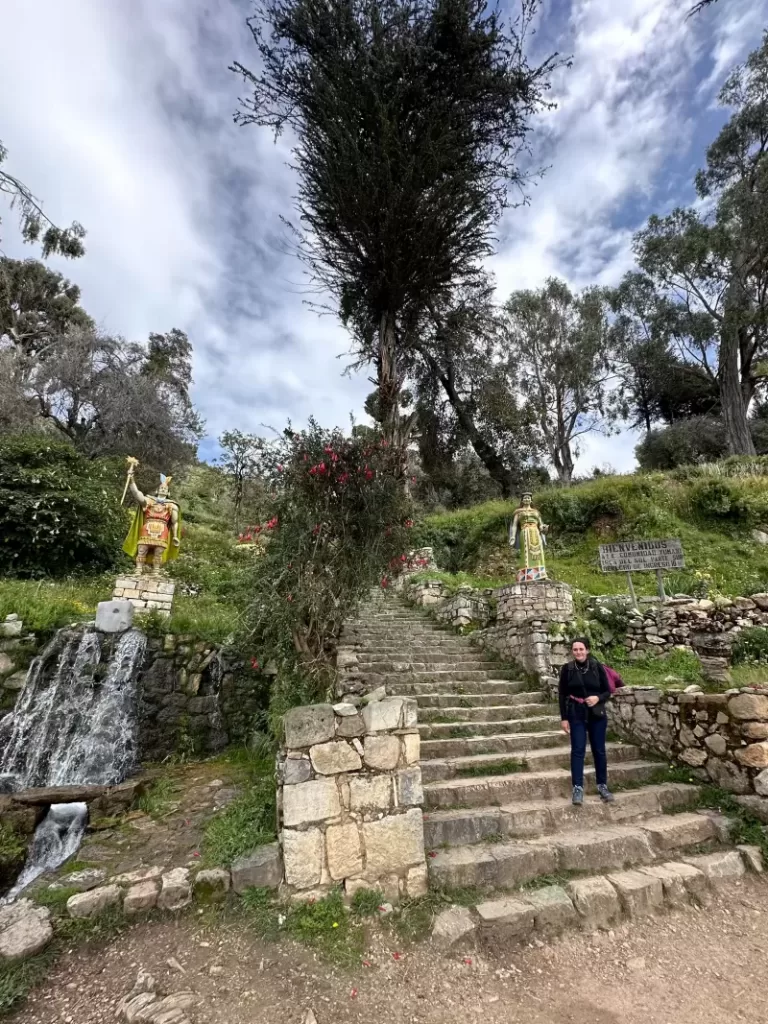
<point x="653" y="671"/>
<point x="249" y="821"/>
<point x="751" y="644"/>
<point x="157" y="799"/>
<point x="19" y="977"/>
<point x="366" y="902"/>
<point x="55" y="899"/>
<point x="417" y="916"/>
<point x="59" y="512"/>
<point x="339" y="526"/>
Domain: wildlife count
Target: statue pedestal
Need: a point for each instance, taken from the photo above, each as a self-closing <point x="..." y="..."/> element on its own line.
<point x="146" y="593"/>
<point x="530" y="618"/>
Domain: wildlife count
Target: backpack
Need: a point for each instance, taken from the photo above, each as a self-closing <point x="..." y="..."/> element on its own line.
<point x="614" y="679"/>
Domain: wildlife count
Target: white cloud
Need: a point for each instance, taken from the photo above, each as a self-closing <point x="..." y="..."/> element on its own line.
<point x="123" y="120"/>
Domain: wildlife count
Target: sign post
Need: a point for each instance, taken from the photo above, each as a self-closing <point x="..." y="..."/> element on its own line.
<point x="642" y="556"/>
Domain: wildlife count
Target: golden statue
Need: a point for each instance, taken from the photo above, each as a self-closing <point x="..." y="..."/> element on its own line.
<point x="526" y="535"/>
<point x="155" y="533"/>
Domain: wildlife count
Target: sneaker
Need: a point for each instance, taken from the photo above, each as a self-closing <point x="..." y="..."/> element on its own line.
<point x="578" y="796"/>
<point x="605" y="794"/>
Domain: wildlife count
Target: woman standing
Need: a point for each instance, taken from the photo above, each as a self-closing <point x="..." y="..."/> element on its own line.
<point x="584" y="691"/>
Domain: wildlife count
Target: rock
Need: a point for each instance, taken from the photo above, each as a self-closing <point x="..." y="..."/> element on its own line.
<point x="350" y="727"/>
<point x="411" y="748"/>
<point x="6" y="664"/>
<point x="381" y="691"/>
<point x="25" y="929"/>
<point x="755" y="730"/>
<point x="213" y="884"/>
<point x="761" y="600"/>
<point x="640" y="894"/>
<point x="716" y="744"/>
<point x="176" y="892"/>
<point x="15" y="682"/>
<point x="505" y="919"/>
<point x="417" y="881"/>
<point x="307" y="726"/>
<point x="114" y="616"/>
<point x="754" y="756"/>
<point x="753" y="858"/>
<point x="296" y="770"/>
<point x="695" y="758"/>
<point x="553" y="909"/>
<point x="140" y="875"/>
<point x="382" y="752"/>
<point x="761" y="783"/>
<point x="140" y="897"/>
<point x="409" y="789"/>
<point x="46" y="795"/>
<point x="719" y="866"/>
<point x="370" y="793"/>
<point x="759" y="536"/>
<point x="262" y="868"/>
<point x="309" y="1018"/>
<point x="344" y="710"/>
<point x="694" y="688"/>
<point x="93" y="902"/>
<point x="12" y="627"/>
<point x="311" y="801"/>
<point x="334" y="758"/>
<point x="384" y="715"/>
<point x="453" y="925"/>
<point x="83" y="881"/>
<point x="596" y="902"/>
<point x="394" y="843"/>
<point x="304" y="857"/>
<point x="749" y="706"/>
<point x="345" y="856"/>
<point x="636" y="963"/>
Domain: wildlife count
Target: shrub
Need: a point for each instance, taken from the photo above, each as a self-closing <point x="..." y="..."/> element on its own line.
<point x="728" y="501"/>
<point x="751" y="644"/>
<point x="59" y="512"/>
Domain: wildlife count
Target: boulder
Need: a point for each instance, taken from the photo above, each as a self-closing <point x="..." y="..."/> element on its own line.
<point x="141" y="897"/>
<point x="25" y="929"/>
<point x="211" y="885"/>
<point x="262" y="868"/>
<point x="114" y="616"/>
<point x="452" y="926"/>
<point x="93" y="902"/>
<point x="176" y="892"/>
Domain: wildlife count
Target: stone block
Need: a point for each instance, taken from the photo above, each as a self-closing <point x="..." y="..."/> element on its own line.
<point x="694" y="757"/>
<point x="11" y="627"/>
<point x="213" y="884"/>
<point x="93" y="902"/>
<point x="15" y="681"/>
<point x="307" y="802"/>
<point x="417" y="881"/>
<point x="754" y="756"/>
<point x="307" y="726"/>
<point x="506" y="919"/>
<point x="394" y="843"/>
<point x="384" y="715"/>
<point x="453" y="926"/>
<point x="717" y="744"/>
<point x="749" y="707"/>
<point x="410" y="713"/>
<point x="553" y="909"/>
<point x="761" y="783"/>
<point x="344" y="710"/>
<point x="719" y="866"/>
<point x="596" y="902"/>
<point x="261" y="868"/>
<point x="351" y="727"/>
<point x="304" y="857"/>
<point x="176" y="892"/>
<point x="679" y="882"/>
<point x="345" y="856"/>
<point x="750" y="730"/>
<point x="25" y="929"/>
<point x="141" y="897"/>
<point x="640" y="894"/>
<point x="668" y="832"/>
<point x="408" y="787"/>
<point x="370" y="793"/>
<point x="334" y="758"/>
<point x="382" y="752"/>
<point x="753" y="858"/>
<point x="375" y="695"/>
<point x="296" y="770"/>
<point x="411" y="748"/>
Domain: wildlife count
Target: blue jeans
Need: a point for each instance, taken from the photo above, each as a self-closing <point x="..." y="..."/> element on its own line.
<point x="596" y="728"/>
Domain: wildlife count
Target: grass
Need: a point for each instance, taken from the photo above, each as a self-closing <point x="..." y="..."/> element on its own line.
<point x="416" y="917"/>
<point x="508" y="767"/>
<point x="157" y="799"/>
<point x="653" y="671"/>
<point x="250" y="820"/>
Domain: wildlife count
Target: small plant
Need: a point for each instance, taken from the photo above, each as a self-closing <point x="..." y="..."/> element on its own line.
<point x="751" y="645"/>
<point x="249" y="821"/>
<point x="366" y="902"/>
<point x="157" y="799"/>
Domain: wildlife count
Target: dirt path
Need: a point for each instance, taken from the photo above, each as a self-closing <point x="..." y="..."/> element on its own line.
<point x="696" y="967"/>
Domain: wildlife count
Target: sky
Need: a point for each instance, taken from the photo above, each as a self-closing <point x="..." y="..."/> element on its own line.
<point x="120" y="115"/>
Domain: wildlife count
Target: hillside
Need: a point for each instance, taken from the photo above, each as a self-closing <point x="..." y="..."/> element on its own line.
<point x="713" y="509"/>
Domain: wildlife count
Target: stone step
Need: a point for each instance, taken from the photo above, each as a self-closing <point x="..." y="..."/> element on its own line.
<point x="502" y="743"/>
<point x="592" y="902"/>
<point x="553" y="784"/>
<point x="529" y="819"/>
<point x="474" y="730"/>
<point x="535" y="760"/>
<point x="499" y="713"/>
<point x="462" y="689"/>
<point x="474" y="700"/>
<point x="434" y="642"/>
<point x="381" y="662"/>
<point x="454" y="675"/>
<point x="608" y="848"/>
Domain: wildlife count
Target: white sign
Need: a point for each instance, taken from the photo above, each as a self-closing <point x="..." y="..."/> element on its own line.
<point x="641" y="556"/>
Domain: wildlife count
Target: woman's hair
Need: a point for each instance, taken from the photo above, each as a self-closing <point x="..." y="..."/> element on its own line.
<point x="581" y="640"/>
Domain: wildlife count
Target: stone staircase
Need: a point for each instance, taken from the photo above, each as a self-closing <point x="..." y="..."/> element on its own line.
<point x="497" y="811"/>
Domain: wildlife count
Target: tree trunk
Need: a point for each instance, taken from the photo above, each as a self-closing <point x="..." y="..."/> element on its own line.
<point x="388" y="381"/>
<point x="484" y="451"/>
<point x="732" y="399"/>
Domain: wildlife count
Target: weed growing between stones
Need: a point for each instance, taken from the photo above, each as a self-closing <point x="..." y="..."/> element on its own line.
<point x="746" y="828"/>
<point x="156" y="800"/>
<point x="415" y="918"/>
<point x="366" y="902"/>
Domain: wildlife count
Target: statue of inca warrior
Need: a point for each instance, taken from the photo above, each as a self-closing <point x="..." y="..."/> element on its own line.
<point x="155" y="534"/>
<point x="527" y="535"/>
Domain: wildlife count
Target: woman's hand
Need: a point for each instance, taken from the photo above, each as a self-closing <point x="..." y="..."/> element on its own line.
<point x="591" y="701"/>
<point x="566" y="727"/>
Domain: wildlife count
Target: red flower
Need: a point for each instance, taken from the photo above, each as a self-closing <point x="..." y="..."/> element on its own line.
<point x="403" y="558"/>
<point x="409" y="523"/>
<point x="321" y="468"/>
<point x="290" y="597"/>
<point x="353" y="994"/>
<point x="313" y="471"/>
<point x="369" y="474"/>
<point x="255" y="664"/>
<point x="384" y="582"/>
<point x="316" y="530"/>
<point x="397" y="956"/>
<point x="279" y="469"/>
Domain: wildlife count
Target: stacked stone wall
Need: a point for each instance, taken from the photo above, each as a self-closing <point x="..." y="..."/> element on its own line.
<point x="350" y="798"/>
<point x="146" y="593"/>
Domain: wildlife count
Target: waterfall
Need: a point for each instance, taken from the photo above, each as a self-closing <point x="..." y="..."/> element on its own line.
<point x="75" y="723"/>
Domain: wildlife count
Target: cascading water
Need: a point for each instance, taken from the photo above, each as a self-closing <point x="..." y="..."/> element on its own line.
<point x="75" y="724"/>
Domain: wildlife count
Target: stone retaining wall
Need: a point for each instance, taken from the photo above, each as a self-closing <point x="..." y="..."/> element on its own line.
<point x="722" y="736"/>
<point x="350" y="798"/>
<point x="146" y="593"/>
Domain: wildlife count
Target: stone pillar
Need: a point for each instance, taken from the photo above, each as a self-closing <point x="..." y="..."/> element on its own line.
<point x="529" y="619"/>
<point x="146" y="593"/>
<point x="350" y="799"/>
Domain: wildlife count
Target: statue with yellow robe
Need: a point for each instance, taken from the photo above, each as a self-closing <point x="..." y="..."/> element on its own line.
<point x="155" y="534"/>
<point x="527" y="535"/>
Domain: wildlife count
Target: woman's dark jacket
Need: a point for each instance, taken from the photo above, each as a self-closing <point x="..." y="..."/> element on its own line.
<point x="577" y="681"/>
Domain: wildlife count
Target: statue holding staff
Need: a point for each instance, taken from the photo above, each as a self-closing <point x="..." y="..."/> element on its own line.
<point x="155" y="534"/>
<point x="526" y="535"/>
